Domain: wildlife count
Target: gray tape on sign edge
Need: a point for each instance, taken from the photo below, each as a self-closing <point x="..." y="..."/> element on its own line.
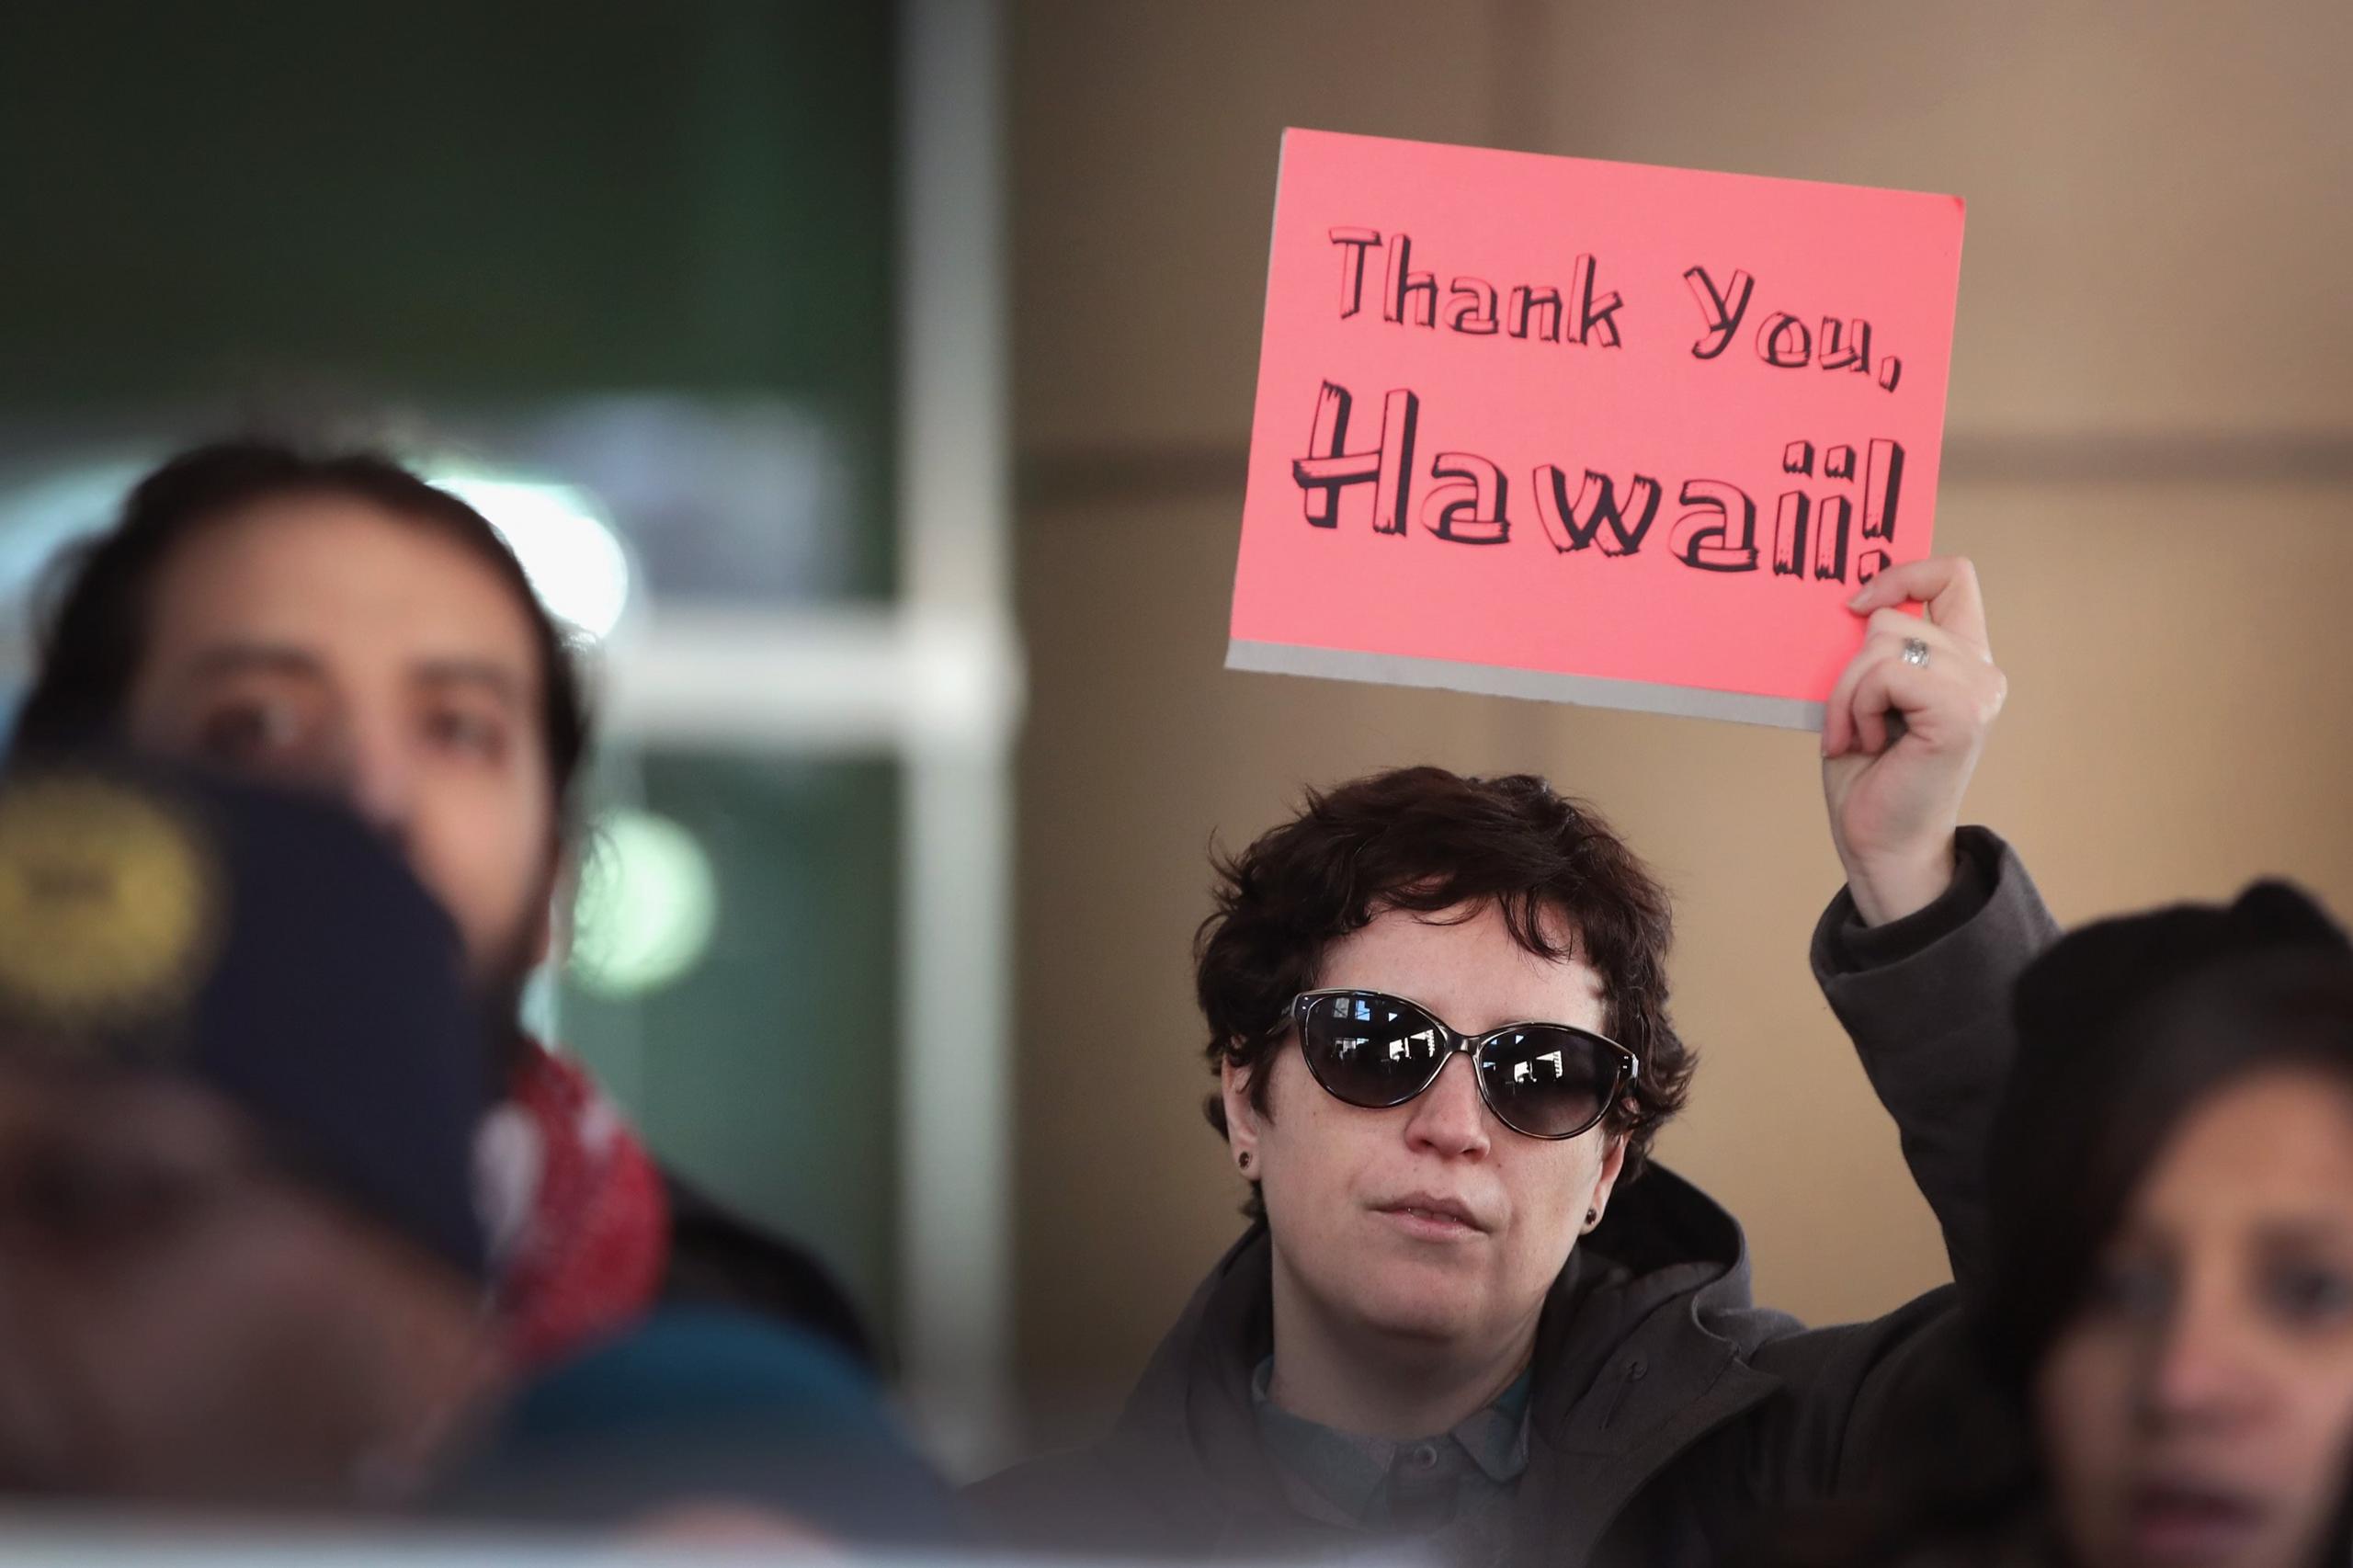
<point x="1540" y="685"/>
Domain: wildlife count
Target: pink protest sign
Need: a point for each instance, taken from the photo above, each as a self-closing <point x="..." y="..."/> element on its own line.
<point x="1593" y="432"/>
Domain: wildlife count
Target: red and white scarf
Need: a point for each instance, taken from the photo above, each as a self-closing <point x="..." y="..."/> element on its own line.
<point x="579" y="1219"/>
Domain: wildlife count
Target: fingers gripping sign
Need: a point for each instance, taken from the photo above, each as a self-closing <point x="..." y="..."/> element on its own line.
<point x="1902" y="731"/>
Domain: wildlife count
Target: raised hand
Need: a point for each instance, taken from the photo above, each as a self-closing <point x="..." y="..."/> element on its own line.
<point x="1902" y="731"/>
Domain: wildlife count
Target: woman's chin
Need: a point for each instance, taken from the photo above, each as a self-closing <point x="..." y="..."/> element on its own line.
<point x="1417" y="1302"/>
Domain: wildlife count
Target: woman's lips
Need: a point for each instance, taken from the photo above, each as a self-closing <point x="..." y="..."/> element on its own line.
<point x="2173" y="1522"/>
<point x="1431" y="1218"/>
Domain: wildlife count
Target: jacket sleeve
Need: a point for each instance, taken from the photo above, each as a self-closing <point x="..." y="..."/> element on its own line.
<point x="1926" y="1001"/>
<point x="1851" y="1400"/>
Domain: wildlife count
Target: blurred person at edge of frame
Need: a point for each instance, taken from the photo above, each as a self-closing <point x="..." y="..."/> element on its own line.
<point x="1457" y="1319"/>
<point x="241" y="1261"/>
<point x="239" y="1256"/>
<point x="2162" y="1372"/>
<point x="329" y="619"/>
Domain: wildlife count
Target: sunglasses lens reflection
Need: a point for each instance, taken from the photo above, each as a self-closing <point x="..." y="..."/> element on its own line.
<point x="1547" y="1080"/>
<point x="1370" y="1049"/>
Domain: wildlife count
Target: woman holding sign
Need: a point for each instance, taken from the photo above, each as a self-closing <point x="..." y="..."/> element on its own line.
<point x="1460" y="1318"/>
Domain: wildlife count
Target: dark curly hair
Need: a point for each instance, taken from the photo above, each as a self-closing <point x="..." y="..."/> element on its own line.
<point x="99" y="591"/>
<point x="1423" y="840"/>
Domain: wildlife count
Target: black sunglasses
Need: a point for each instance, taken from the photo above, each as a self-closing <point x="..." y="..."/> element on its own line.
<point x="1372" y="1049"/>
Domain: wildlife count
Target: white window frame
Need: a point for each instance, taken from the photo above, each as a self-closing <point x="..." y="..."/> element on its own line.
<point x="934" y="681"/>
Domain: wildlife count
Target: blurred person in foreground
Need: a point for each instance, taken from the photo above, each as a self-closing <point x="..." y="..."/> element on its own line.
<point x="2162" y="1371"/>
<point x="241" y="1265"/>
<point x="240" y="1259"/>
<point x="1437" y="1011"/>
<point x="332" y="622"/>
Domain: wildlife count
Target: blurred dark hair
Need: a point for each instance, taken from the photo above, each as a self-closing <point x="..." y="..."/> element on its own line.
<point x="101" y="591"/>
<point x="1423" y="840"/>
<point x="2126" y="1028"/>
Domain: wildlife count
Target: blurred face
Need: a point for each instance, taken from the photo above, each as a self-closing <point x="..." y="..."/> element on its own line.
<point x="321" y="641"/>
<point x="2199" y="1408"/>
<point x="1430" y="1221"/>
<point x="179" y="1323"/>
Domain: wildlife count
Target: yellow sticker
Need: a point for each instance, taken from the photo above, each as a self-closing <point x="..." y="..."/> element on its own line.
<point x="108" y="903"/>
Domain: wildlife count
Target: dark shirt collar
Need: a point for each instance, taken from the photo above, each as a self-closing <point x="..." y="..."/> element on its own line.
<point x="1380" y="1483"/>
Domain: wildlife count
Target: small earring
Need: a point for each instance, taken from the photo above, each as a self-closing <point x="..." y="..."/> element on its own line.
<point x="1245" y="1161"/>
<point x="1592" y="1218"/>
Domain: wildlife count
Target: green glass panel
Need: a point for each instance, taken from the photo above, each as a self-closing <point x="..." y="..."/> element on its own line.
<point x="760" y="1063"/>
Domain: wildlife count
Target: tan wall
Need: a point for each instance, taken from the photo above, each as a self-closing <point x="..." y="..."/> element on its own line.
<point x="2151" y="458"/>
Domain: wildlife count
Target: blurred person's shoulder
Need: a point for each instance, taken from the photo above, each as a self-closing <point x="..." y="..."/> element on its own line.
<point x="699" y="1363"/>
<point x="708" y="1407"/>
<point x="719" y="1259"/>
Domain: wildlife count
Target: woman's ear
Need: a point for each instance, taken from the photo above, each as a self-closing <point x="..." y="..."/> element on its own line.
<point x="1613" y="1160"/>
<point x="1241" y="1117"/>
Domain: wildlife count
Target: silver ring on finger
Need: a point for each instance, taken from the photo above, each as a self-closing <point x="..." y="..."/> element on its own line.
<point x="1916" y="651"/>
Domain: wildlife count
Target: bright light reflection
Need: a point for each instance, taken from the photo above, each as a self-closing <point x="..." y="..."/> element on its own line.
<point x="569" y="551"/>
<point x="39" y="518"/>
<point x="648" y="904"/>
